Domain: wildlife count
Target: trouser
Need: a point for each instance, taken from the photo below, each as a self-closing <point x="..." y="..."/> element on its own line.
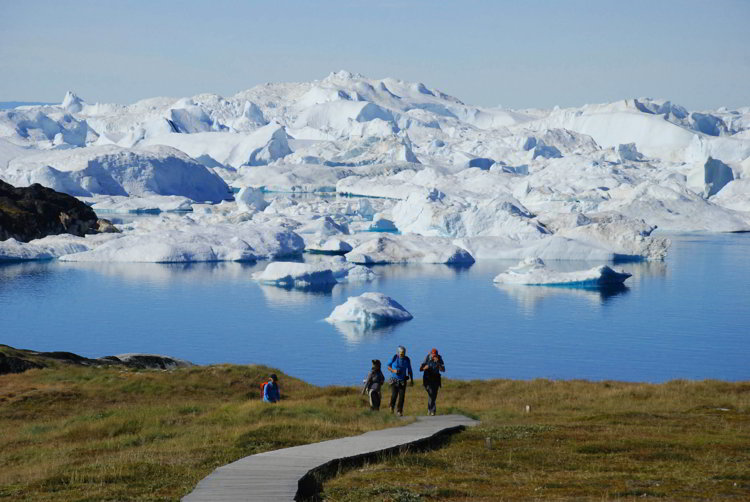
<point x="432" y="392"/>
<point x="398" y="392"/>
<point x="374" y="399"/>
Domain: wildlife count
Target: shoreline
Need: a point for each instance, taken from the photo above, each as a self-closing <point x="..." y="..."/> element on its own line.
<point x="145" y="361"/>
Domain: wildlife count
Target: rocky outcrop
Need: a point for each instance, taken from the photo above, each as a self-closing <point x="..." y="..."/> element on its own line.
<point x="11" y="364"/>
<point x="149" y="361"/>
<point x="19" y="360"/>
<point x="34" y="212"/>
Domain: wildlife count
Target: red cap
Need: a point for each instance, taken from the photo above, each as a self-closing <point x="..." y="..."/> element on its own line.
<point x="434" y="351"/>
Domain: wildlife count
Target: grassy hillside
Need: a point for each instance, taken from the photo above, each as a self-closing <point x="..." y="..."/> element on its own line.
<point x="579" y="441"/>
<point x="111" y="433"/>
<point x="107" y="433"/>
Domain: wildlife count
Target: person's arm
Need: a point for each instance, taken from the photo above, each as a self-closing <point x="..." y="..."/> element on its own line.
<point x="391" y="364"/>
<point x="441" y="364"/>
<point x="367" y="382"/>
<point x="266" y="395"/>
<point x="408" y="369"/>
<point x="277" y="392"/>
<point x="423" y="366"/>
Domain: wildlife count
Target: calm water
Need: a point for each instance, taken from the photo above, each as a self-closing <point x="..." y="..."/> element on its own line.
<point x="688" y="317"/>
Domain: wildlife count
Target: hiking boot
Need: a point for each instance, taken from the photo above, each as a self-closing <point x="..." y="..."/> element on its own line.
<point x="400" y="414"/>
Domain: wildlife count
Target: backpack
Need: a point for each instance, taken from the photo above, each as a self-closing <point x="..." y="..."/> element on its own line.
<point x="263" y="389"/>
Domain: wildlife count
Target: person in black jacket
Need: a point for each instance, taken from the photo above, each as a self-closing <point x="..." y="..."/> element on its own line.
<point x="432" y="366"/>
<point x="373" y="383"/>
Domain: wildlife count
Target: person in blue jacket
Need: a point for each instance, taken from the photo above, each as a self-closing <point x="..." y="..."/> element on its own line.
<point x="271" y="392"/>
<point x="400" y="366"/>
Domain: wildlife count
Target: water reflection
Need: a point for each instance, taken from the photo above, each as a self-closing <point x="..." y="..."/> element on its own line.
<point x="529" y="297"/>
<point x="355" y="333"/>
<point x="277" y="296"/>
<point x="419" y="270"/>
<point x="28" y="273"/>
<point x="167" y="273"/>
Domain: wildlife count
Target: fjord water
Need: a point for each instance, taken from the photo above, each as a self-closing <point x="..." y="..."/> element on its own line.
<point x="688" y="317"/>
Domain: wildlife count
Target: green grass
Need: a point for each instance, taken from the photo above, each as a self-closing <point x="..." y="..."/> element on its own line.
<point x="580" y="441"/>
<point x="82" y="433"/>
<point x="72" y="433"/>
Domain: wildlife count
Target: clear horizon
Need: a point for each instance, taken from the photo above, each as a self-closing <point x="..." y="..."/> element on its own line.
<point x="484" y="53"/>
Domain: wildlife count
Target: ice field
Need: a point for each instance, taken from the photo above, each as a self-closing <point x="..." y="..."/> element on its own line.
<point x="450" y="182"/>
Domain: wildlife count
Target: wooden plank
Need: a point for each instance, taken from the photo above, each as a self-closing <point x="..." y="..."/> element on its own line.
<point x="291" y="473"/>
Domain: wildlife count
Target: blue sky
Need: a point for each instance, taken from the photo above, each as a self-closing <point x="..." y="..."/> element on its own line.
<point x="517" y="54"/>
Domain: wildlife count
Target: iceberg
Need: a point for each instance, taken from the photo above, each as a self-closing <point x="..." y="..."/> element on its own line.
<point x="46" y="248"/>
<point x="371" y="310"/>
<point x="257" y="148"/>
<point x="457" y="182"/>
<point x="533" y="272"/>
<point x="111" y="170"/>
<point x="328" y="246"/>
<point x="409" y="249"/>
<point x="296" y="275"/>
<point x="317" y="275"/>
<point x="250" y="199"/>
<point x="246" y="241"/>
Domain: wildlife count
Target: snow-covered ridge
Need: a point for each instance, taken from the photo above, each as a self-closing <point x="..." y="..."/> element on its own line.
<point x="450" y="182"/>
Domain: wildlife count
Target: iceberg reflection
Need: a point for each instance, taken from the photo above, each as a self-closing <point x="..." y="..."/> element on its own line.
<point x="529" y="297"/>
<point x="355" y="333"/>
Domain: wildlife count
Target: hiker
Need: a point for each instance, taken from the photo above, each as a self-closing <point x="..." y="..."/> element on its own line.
<point x="271" y="392"/>
<point x="432" y="366"/>
<point x="400" y="366"/>
<point x="373" y="383"/>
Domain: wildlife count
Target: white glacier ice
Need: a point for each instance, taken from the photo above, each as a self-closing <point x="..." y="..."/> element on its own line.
<point x="452" y="182"/>
<point x="173" y="240"/>
<point x="408" y="249"/>
<point x="313" y="275"/>
<point x="295" y="275"/>
<point x="371" y="310"/>
<point x="111" y="170"/>
<point x="533" y="272"/>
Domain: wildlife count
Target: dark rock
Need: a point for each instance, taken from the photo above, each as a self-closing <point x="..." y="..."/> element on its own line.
<point x="22" y="360"/>
<point x="65" y="356"/>
<point x="34" y="212"/>
<point x="10" y="364"/>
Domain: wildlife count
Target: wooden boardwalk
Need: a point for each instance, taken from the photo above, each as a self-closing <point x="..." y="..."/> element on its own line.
<point x="295" y="473"/>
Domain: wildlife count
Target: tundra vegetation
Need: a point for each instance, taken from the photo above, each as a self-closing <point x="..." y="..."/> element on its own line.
<point x="73" y="432"/>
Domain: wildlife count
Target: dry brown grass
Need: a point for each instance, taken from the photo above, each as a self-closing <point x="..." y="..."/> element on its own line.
<point x="581" y="441"/>
<point x="81" y="433"/>
<point x="78" y="433"/>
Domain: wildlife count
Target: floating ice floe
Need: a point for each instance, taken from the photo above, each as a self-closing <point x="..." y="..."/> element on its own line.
<point x="46" y="248"/>
<point x="328" y="246"/>
<point x="371" y="310"/>
<point x="313" y="275"/>
<point x="295" y="275"/>
<point x="245" y="241"/>
<point x="533" y="272"/>
<point x="409" y="249"/>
